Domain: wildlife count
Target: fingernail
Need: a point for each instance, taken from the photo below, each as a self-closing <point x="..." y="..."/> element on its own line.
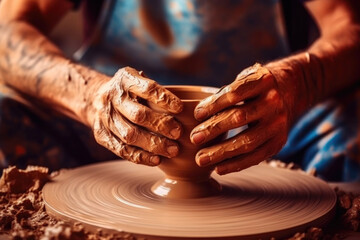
<point x="172" y="150"/>
<point x="204" y="160"/>
<point x="200" y="113"/>
<point x="198" y="137"/>
<point x="155" y="160"/>
<point x="175" y="133"/>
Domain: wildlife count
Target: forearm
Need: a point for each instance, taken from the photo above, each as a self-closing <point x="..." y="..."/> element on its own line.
<point x="326" y="68"/>
<point x="339" y="59"/>
<point x="31" y="64"/>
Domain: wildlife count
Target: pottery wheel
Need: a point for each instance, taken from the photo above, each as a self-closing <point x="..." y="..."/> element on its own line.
<point x="261" y="201"/>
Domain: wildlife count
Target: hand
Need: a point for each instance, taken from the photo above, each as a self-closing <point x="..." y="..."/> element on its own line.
<point x="253" y="99"/>
<point x="130" y="129"/>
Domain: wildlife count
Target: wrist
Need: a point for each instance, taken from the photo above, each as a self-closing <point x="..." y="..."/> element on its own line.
<point x="300" y="80"/>
<point x="89" y="97"/>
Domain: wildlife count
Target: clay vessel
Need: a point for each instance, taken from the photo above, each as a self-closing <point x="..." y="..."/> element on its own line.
<point x="183" y="177"/>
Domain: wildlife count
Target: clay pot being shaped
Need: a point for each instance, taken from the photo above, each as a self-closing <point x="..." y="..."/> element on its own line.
<point x="183" y="177"/>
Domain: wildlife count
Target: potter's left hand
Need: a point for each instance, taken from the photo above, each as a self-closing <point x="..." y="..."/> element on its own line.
<point x="254" y="99"/>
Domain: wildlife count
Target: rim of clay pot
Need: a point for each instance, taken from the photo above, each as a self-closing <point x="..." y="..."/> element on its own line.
<point x="187" y="89"/>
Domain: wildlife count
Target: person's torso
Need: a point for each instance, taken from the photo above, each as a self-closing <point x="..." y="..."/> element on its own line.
<point x="196" y="42"/>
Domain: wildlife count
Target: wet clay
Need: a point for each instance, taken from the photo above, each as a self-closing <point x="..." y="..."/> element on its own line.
<point x="181" y="200"/>
<point x="183" y="177"/>
<point x="22" y="210"/>
<point x="259" y="202"/>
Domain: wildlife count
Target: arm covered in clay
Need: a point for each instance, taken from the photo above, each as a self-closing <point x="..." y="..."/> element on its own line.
<point x="275" y="95"/>
<point x="35" y="67"/>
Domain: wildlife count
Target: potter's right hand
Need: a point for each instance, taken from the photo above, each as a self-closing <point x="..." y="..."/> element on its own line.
<point x="130" y="129"/>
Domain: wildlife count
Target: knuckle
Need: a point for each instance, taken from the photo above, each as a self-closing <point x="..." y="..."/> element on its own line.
<point x="100" y="133"/>
<point x="138" y="116"/>
<point x="99" y="138"/>
<point x="105" y="140"/>
<point x="124" y="151"/>
<point x="129" y="153"/>
<point x="129" y="135"/>
<point x="126" y="69"/>
<point x="238" y="116"/>
<point x="273" y="95"/>
<point x="121" y="72"/>
<point x="275" y="99"/>
<point x="211" y="129"/>
<point x="168" y="120"/>
<point x="150" y="86"/>
<point x="158" y="144"/>
<point x="137" y="157"/>
<point x="166" y="125"/>
<point x="97" y="124"/>
<point x="250" y="144"/>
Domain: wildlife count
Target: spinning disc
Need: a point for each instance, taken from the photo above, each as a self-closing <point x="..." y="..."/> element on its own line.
<point x="261" y="201"/>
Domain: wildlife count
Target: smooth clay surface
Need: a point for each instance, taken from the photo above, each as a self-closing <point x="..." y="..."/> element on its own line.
<point x="183" y="177"/>
<point x="259" y="202"/>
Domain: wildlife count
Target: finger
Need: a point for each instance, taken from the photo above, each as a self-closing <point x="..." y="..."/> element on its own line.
<point x="132" y="135"/>
<point x="247" y="160"/>
<point x="132" y="154"/>
<point x="236" y="117"/>
<point x="244" y="142"/>
<point x="247" y="85"/>
<point x="141" y="115"/>
<point x="244" y="161"/>
<point x="136" y="83"/>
